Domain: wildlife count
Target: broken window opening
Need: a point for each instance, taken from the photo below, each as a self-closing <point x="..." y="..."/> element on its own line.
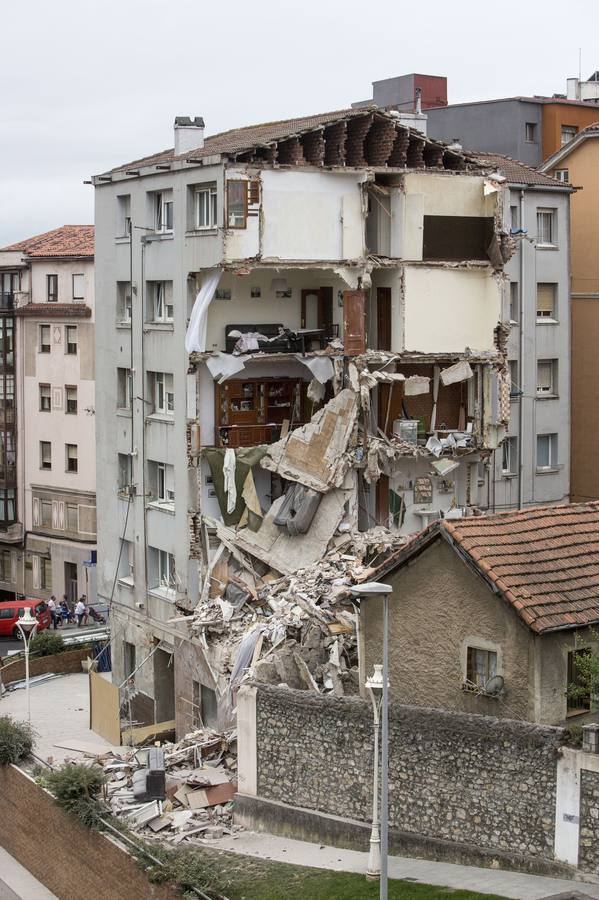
<point x="481" y="665"/>
<point x="237" y="203"/>
<point x="457" y="237"/>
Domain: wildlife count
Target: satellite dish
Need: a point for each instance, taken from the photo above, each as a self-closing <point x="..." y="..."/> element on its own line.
<point x="494" y="685"/>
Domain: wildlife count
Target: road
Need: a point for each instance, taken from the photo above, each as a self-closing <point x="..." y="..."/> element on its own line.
<point x="8" y="643"/>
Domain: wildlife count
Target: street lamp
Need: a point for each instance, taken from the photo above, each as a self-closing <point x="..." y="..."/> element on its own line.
<point x="27" y="625"/>
<point x="374" y="685"/>
<point x="371" y="588"/>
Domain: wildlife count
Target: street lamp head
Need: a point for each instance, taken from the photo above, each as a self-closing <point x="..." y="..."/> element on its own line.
<point x="370" y="587"/>
<point x="375" y="682"/>
<point x="26" y="621"/>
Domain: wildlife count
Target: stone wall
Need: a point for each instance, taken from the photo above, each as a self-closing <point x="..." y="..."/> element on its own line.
<point x="60" y="664"/>
<point x="455" y="777"/>
<point x="588" y="847"/>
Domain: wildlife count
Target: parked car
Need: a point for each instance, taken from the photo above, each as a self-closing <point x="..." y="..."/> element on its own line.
<point x="12" y="609"/>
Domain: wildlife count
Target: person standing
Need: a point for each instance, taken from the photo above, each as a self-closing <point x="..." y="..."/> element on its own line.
<point x="52" y="608"/>
<point x="79" y="612"/>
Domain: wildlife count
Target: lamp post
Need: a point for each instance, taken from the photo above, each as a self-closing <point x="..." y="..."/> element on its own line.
<point x="374" y="685"/>
<point x="368" y="589"/>
<point x="27" y="625"/>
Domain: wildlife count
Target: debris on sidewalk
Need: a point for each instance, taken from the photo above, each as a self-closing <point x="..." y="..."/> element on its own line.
<point x="200" y="783"/>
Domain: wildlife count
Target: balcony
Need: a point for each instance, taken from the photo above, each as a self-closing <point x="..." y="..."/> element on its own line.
<point x="7" y="301"/>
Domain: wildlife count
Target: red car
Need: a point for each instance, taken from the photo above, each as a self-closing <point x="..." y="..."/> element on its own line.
<point x="11" y="610"/>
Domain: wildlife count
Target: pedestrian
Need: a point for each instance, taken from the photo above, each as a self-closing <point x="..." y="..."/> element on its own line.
<point x="52" y="608"/>
<point x="86" y="610"/>
<point x="79" y="612"/>
<point x="67" y="616"/>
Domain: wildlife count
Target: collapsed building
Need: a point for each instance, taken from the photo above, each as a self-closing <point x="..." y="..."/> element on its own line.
<point x="304" y="323"/>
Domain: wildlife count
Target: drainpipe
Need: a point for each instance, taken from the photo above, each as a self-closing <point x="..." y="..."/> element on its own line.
<point x="521" y="359"/>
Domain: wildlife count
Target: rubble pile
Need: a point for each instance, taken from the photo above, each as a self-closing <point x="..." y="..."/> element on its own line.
<point x="194" y="800"/>
<point x="294" y="629"/>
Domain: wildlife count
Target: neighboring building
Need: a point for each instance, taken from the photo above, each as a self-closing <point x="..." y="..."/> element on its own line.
<point x="512" y="597"/>
<point x="244" y="280"/>
<point x="578" y="163"/>
<point x="526" y="128"/>
<point x="533" y="464"/>
<point x="48" y="509"/>
<point x="408" y="96"/>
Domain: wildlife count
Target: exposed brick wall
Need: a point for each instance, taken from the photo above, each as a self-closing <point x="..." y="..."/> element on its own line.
<point x="69" y="860"/>
<point x="588" y="844"/>
<point x="462" y="778"/>
<point x="61" y="664"/>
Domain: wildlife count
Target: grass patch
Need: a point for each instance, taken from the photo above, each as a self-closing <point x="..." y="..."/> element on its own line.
<point x="247" y="878"/>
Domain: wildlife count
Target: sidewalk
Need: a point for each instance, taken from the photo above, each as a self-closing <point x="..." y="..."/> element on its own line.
<point x="514" y="885"/>
<point x="16" y="883"/>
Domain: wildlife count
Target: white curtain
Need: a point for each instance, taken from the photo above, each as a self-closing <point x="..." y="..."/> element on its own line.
<point x="195" y="338"/>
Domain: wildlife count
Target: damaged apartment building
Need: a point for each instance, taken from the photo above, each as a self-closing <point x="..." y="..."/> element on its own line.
<point x="301" y="334"/>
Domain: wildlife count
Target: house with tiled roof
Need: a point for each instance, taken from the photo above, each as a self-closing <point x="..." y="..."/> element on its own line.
<point x="47" y="424"/>
<point x="489" y="614"/>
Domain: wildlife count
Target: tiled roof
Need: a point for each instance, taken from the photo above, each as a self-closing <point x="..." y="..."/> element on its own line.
<point x="545" y="561"/>
<point x="68" y="240"/>
<point x="516" y="172"/>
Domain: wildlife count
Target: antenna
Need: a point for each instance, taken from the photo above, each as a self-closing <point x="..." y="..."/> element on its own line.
<point x="579" y="66"/>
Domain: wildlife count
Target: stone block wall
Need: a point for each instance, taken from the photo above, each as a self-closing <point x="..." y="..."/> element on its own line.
<point x="588" y="846"/>
<point x="60" y="664"/>
<point x="452" y="776"/>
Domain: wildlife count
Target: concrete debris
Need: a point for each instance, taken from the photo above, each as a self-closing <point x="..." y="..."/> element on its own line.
<point x="461" y="371"/>
<point x="201" y="781"/>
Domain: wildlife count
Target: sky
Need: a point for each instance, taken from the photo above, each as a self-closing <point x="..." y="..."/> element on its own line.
<point x="86" y="85"/>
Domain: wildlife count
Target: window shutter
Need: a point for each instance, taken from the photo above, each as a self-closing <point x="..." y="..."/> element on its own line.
<point x="36" y="571"/>
<point x="36" y="511"/>
<point x="61" y="515"/>
<point x="55" y="514"/>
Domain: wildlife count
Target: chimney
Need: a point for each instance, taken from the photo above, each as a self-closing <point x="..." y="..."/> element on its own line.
<point x="189" y="134"/>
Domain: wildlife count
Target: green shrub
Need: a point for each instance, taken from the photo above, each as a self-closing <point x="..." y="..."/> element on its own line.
<point x="16" y="740"/>
<point x="77" y="788"/>
<point x="47" y="643"/>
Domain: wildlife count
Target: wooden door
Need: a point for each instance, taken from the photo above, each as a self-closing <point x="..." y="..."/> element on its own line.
<point x="354" y="322"/>
<point x="383" y="318"/>
<point x="382" y="501"/>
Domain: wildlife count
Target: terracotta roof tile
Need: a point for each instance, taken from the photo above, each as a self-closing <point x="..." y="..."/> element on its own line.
<point x="514" y="171"/>
<point x="544" y="560"/>
<point x="68" y="240"/>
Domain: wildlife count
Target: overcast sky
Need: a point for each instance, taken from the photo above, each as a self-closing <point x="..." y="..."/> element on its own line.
<point x="88" y="84"/>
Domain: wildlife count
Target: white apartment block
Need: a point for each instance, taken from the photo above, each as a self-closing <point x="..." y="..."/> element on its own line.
<point x="362" y="264"/>
<point x="48" y="506"/>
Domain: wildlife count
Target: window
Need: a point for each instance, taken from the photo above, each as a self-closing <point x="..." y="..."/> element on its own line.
<point x="7" y="392"/>
<point x="562" y="175"/>
<point x="123" y="302"/>
<point x="514" y="379"/>
<point x="45" y="573"/>
<point x="509" y="459"/>
<point x="546" y="230"/>
<point x="46" y="513"/>
<point x="514" y="218"/>
<point x="546" y="452"/>
<point x="205" y="207"/>
<point x="45" y="397"/>
<point x="164" y="397"/>
<point x="44" y="338"/>
<point x="237" y="204"/>
<point x="129" y="663"/>
<point x="547" y="377"/>
<point x="45" y="455"/>
<point x="579" y="695"/>
<point x="124" y="473"/>
<point x="546" y="300"/>
<point x="71" y="339"/>
<point x="78" y="287"/>
<point x="161" y="301"/>
<point x="5" y="570"/>
<point x="208" y="707"/>
<point x="514" y="301"/>
<point x="163" y="211"/>
<point x="163" y="476"/>
<point x="480" y="666"/>
<point x="52" y="288"/>
<point x="71" y="458"/>
<point x="71" y="400"/>
<point x="568" y="132"/>
<point x="530" y="132"/>
<point x="123" y="212"/>
<point x="8" y="505"/>
<point x="124" y="392"/>
<point x="166" y="569"/>
<point x="72" y="517"/>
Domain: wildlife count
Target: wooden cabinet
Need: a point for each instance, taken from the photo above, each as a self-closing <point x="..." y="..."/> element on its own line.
<point x="251" y="411"/>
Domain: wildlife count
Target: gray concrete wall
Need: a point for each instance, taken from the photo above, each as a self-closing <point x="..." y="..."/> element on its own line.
<point x="543" y="339"/>
<point x="437" y="609"/>
<point x="497" y="126"/>
<point x="472" y="780"/>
